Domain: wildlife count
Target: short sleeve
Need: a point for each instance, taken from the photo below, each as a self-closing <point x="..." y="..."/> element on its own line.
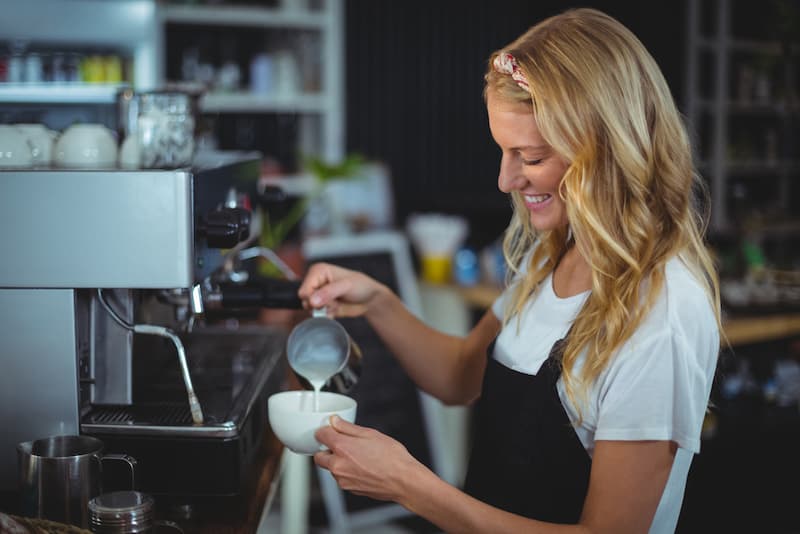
<point x="660" y="392"/>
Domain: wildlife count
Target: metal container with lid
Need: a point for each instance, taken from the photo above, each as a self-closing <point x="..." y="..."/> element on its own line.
<point x="122" y="512"/>
<point x="165" y="125"/>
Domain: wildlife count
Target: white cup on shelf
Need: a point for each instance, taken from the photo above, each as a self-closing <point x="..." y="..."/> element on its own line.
<point x="86" y="146"/>
<point x="15" y="150"/>
<point x="41" y="139"/>
<point x="129" y="153"/>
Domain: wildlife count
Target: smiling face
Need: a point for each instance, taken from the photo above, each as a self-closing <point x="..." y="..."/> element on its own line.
<point x="529" y="166"/>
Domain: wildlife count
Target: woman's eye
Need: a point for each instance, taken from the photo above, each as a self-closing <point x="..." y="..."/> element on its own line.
<point x="531" y="161"/>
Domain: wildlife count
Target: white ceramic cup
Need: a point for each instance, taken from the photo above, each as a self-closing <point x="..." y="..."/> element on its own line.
<point x="15" y="150"/>
<point x="41" y="140"/>
<point x="129" y="153"/>
<point x="86" y="146"/>
<point x="294" y="420"/>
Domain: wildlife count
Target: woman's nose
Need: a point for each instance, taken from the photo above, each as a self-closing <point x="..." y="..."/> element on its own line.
<point x="510" y="178"/>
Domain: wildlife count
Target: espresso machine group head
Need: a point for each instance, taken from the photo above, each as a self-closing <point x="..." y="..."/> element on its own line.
<point x="105" y="281"/>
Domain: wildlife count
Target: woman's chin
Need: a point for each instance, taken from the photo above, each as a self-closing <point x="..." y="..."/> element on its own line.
<point x="545" y="223"/>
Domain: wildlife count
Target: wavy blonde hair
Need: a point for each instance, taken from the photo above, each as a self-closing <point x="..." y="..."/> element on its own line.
<point x="631" y="191"/>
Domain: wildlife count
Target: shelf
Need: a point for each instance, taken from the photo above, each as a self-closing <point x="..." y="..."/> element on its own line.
<point x="77" y="93"/>
<point x="243" y="16"/>
<point x="314" y="36"/>
<point x="746" y="330"/>
<point x="244" y="102"/>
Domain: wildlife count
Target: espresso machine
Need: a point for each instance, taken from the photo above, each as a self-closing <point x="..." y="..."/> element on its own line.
<point x="117" y="290"/>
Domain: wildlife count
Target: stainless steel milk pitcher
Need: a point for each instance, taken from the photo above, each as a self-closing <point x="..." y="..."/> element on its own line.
<point x="59" y="475"/>
<point x="322" y="344"/>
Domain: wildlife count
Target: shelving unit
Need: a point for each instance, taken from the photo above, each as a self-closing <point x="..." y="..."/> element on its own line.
<point x="139" y="29"/>
<point x="727" y="109"/>
<point x="320" y="110"/>
<point x="127" y="27"/>
<point x="245" y="102"/>
<point x="233" y="15"/>
<point x="75" y="93"/>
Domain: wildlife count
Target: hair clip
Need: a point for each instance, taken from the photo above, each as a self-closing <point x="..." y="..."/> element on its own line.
<point x="505" y="63"/>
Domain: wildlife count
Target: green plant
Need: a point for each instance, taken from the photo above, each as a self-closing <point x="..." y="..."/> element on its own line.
<point x="324" y="172"/>
<point x="273" y="233"/>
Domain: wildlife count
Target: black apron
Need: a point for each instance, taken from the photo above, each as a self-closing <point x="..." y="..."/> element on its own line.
<point x="526" y="458"/>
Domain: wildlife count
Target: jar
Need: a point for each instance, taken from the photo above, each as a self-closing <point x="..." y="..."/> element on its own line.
<point x="165" y="130"/>
<point x="122" y="512"/>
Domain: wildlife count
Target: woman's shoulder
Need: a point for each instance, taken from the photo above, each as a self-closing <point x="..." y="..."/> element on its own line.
<point x="684" y="294"/>
<point x="683" y="309"/>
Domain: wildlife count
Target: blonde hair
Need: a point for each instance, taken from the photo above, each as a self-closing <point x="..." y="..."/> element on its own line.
<point x="631" y="190"/>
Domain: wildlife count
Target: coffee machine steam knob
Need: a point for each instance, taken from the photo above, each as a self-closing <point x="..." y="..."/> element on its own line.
<point x="225" y="227"/>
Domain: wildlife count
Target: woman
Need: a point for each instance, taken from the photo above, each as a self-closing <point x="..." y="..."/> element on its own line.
<point x="602" y="349"/>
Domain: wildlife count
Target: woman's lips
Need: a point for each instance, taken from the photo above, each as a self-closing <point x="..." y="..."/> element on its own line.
<point x="537" y="202"/>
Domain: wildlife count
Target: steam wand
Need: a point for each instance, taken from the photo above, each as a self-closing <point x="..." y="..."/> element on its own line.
<point x="148" y="329"/>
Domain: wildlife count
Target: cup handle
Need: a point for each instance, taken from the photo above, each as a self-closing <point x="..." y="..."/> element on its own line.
<point x="129" y="460"/>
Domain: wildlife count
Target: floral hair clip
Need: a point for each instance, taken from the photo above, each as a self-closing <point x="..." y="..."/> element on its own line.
<point x="505" y="63"/>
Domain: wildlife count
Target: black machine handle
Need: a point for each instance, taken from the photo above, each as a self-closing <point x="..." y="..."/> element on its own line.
<point x="262" y="293"/>
<point x="225" y="227"/>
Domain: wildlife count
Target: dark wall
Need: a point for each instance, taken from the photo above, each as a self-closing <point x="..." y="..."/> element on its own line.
<point x="414" y="81"/>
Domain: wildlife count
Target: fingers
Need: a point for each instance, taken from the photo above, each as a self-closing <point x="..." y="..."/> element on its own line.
<point x="329" y="293"/>
<point x="322" y="285"/>
<point x="326" y="435"/>
<point x="348" y="428"/>
<point x="339" y="430"/>
<point x="324" y="459"/>
<point x="317" y="276"/>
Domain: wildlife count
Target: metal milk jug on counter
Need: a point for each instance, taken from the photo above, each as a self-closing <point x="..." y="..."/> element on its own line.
<point x="58" y="476"/>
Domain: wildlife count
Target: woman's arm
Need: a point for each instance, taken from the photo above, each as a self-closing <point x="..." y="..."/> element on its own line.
<point x="626" y="483"/>
<point x="447" y="367"/>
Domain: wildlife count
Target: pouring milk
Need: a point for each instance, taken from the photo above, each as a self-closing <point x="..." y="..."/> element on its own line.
<point x="317" y="349"/>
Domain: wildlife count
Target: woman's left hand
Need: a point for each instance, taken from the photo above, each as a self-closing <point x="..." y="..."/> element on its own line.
<point x="365" y="461"/>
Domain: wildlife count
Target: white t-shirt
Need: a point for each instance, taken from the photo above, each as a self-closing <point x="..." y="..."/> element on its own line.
<point x="657" y="385"/>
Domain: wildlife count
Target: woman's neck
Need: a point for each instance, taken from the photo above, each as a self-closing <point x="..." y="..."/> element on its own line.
<point x="572" y="275"/>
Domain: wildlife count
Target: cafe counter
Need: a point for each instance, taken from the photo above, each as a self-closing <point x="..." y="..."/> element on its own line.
<point x="738" y="330"/>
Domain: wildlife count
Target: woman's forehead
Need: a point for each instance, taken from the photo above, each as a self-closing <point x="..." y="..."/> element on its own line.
<point x="513" y="124"/>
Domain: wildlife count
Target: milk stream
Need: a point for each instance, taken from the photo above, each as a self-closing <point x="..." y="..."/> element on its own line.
<point x="318" y="368"/>
<point x="317" y="385"/>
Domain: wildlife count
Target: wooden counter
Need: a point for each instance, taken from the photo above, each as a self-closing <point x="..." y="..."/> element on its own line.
<point x="739" y="330"/>
<point x="744" y="330"/>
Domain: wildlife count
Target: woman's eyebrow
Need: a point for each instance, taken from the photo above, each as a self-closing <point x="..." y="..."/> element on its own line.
<point x="531" y="147"/>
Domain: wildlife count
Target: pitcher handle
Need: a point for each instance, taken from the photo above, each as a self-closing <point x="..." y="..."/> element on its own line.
<point x="129" y="460"/>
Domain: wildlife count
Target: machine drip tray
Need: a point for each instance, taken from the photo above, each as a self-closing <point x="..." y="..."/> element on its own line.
<point x="233" y="375"/>
<point x="229" y="370"/>
<point x="153" y="415"/>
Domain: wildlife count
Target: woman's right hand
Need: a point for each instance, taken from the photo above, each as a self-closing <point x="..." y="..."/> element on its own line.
<point x="344" y="292"/>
